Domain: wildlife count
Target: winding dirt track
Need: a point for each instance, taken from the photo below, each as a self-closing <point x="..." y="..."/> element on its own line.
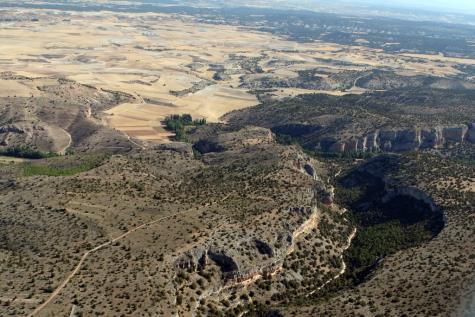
<point x="343" y="267"/>
<point x="135" y="143"/>
<point x="66" y="147"/>
<point x="87" y="253"/>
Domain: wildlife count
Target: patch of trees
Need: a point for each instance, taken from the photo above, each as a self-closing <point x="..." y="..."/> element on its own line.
<point x="25" y="152"/>
<point x="179" y="123"/>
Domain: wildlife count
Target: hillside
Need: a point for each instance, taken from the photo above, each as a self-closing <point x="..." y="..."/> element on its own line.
<point x="431" y="279"/>
<point x="190" y="159"/>
<point x="212" y="223"/>
<point x="57" y="115"/>
<point x="394" y="120"/>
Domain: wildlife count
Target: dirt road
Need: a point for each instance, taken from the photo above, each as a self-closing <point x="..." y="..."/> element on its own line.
<point x="55" y="293"/>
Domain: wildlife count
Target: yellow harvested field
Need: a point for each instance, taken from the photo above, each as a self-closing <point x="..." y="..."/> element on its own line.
<point x="140" y="121"/>
<point x="214" y="101"/>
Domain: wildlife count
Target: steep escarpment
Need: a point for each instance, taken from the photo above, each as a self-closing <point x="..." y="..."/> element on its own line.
<point x="401" y="140"/>
<point x="267" y="254"/>
<point x="394" y="121"/>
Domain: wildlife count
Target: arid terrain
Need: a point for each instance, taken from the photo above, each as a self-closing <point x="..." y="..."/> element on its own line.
<point x="168" y="160"/>
<point x="177" y="64"/>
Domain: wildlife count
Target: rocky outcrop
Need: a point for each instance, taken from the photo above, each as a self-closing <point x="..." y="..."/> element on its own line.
<point x="471" y="133"/>
<point x="233" y="278"/>
<point x="413" y="192"/>
<point x="402" y="140"/>
<point x="234" y="140"/>
<point x="12" y="128"/>
<point x="194" y="260"/>
<point x="264" y="247"/>
<point x="223" y="260"/>
<point x="183" y="148"/>
<point x="25" y="133"/>
<point x="197" y="259"/>
<point x="7" y="183"/>
<point x="235" y="268"/>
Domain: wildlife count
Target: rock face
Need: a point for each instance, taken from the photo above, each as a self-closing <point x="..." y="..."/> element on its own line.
<point x="414" y="193"/>
<point x="432" y="138"/>
<point x="12" y="128"/>
<point x="247" y="136"/>
<point x="223" y="260"/>
<point x="195" y="259"/>
<point x="455" y="134"/>
<point x="401" y="140"/>
<point x="471" y="133"/>
<point x="7" y="183"/>
<point x="184" y="149"/>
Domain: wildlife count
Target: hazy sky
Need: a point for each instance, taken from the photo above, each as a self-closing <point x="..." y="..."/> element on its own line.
<point x="447" y="6"/>
<point x="467" y="6"/>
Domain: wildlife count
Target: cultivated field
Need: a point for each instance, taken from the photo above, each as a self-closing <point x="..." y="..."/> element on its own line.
<point x="173" y="64"/>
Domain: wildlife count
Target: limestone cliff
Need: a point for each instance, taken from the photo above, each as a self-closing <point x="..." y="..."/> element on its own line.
<point x="406" y="139"/>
